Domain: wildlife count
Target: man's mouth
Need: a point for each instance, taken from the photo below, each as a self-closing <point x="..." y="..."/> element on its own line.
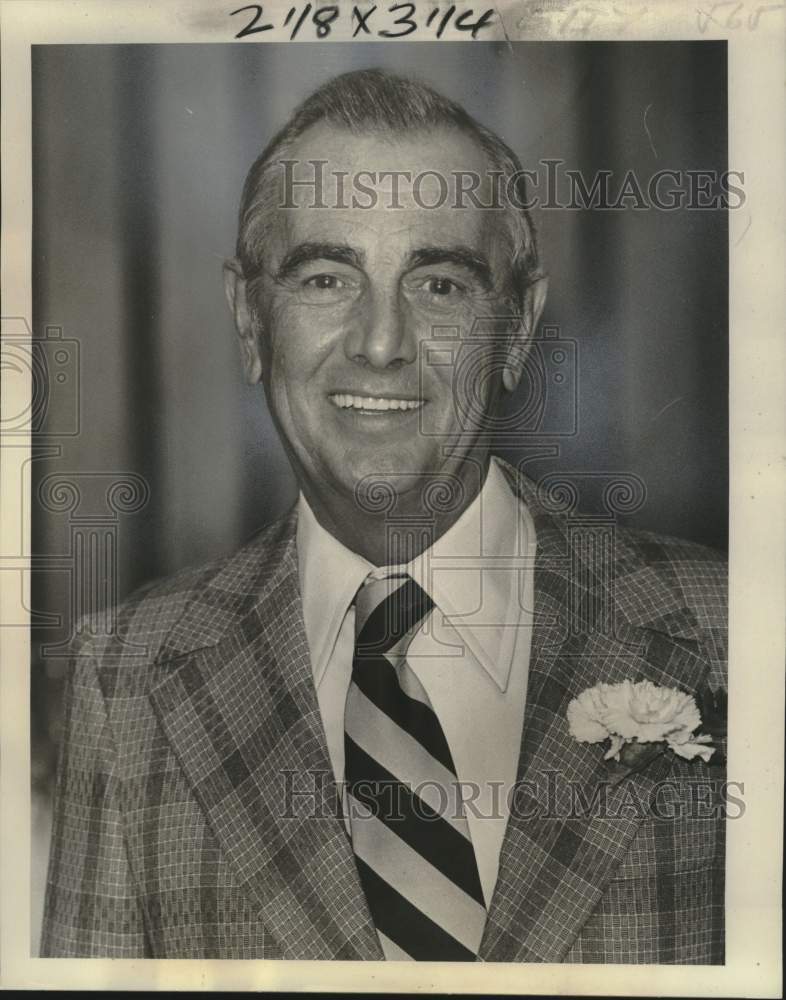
<point x="373" y="404"/>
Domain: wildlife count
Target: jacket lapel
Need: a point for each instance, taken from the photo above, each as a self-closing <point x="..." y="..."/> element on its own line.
<point x="242" y="717"/>
<point x="560" y="850"/>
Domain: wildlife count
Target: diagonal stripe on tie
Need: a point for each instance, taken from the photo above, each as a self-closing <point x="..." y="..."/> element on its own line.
<point x="392" y="618"/>
<point x="376" y="677"/>
<point x="417" y="865"/>
<point x="420" y="883"/>
<point x="407" y="926"/>
<point x="416" y="823"/>
<point x="393" y="953"/>
<point x="429" y="780"/>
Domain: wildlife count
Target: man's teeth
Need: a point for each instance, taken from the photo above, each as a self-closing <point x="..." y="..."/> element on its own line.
<point x="346" y="402"/>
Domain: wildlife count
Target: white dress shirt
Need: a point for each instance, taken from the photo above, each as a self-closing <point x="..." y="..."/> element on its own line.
<point x="471" y="654"/>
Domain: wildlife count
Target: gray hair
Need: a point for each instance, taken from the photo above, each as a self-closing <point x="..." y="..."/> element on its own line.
<point x="372" y="100"/>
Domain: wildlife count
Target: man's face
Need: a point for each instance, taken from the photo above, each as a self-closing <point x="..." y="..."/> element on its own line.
<point x="338" y="319"/>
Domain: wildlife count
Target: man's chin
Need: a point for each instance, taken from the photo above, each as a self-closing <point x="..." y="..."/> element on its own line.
<point x="389" y="483"/>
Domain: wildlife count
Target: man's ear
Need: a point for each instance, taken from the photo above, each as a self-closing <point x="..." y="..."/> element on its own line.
<point x="522" y="336"/>
<point x="235" y="289"/>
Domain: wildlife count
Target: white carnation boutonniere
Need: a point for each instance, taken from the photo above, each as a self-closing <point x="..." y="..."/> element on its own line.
<point x="639" y="713"/>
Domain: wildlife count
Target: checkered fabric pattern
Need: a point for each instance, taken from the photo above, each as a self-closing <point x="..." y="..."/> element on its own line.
<point x="196" y="814"/>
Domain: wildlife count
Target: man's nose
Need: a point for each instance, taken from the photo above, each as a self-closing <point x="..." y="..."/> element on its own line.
<point x="380" y="334"/>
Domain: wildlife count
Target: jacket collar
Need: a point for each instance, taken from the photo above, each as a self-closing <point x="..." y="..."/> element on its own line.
<point x="236" y="698"/>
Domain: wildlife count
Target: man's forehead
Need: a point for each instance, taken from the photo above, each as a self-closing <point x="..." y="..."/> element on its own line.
<point x="403" y="190"/>
<point x="442" y="149"/>
<point x="384" y="231"/>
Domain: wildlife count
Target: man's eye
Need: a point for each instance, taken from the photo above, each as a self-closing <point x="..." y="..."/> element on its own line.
<point x="324" y="282"/>
<point x="441" y="286"/>
<point x="437" y="292"/>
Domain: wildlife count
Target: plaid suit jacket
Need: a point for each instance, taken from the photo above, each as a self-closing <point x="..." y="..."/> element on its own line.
<point x="196" y="813"/>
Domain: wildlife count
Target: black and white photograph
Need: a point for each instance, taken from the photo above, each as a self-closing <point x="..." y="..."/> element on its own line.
<point x="378" y="490"/>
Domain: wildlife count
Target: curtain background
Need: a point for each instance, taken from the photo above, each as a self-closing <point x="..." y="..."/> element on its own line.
<point x="139" y="156"/>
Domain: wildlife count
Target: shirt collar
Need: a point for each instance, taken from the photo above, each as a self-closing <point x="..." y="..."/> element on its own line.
<point x="330" y="575"/>
<point x="472" y="573"/>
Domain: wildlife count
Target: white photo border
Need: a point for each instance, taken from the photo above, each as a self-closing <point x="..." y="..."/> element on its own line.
<point x="756" y="36"/>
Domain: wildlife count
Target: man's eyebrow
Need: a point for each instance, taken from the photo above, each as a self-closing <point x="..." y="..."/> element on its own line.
<point x="303" y="253"/>
<point x="462" y="255"/>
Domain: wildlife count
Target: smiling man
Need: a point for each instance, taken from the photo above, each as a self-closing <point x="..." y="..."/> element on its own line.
<point x="335" y="305"/>
<point x="351" y="740"/>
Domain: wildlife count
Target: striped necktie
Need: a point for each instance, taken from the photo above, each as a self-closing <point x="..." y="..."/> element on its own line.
<point x="409" y="832"/>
